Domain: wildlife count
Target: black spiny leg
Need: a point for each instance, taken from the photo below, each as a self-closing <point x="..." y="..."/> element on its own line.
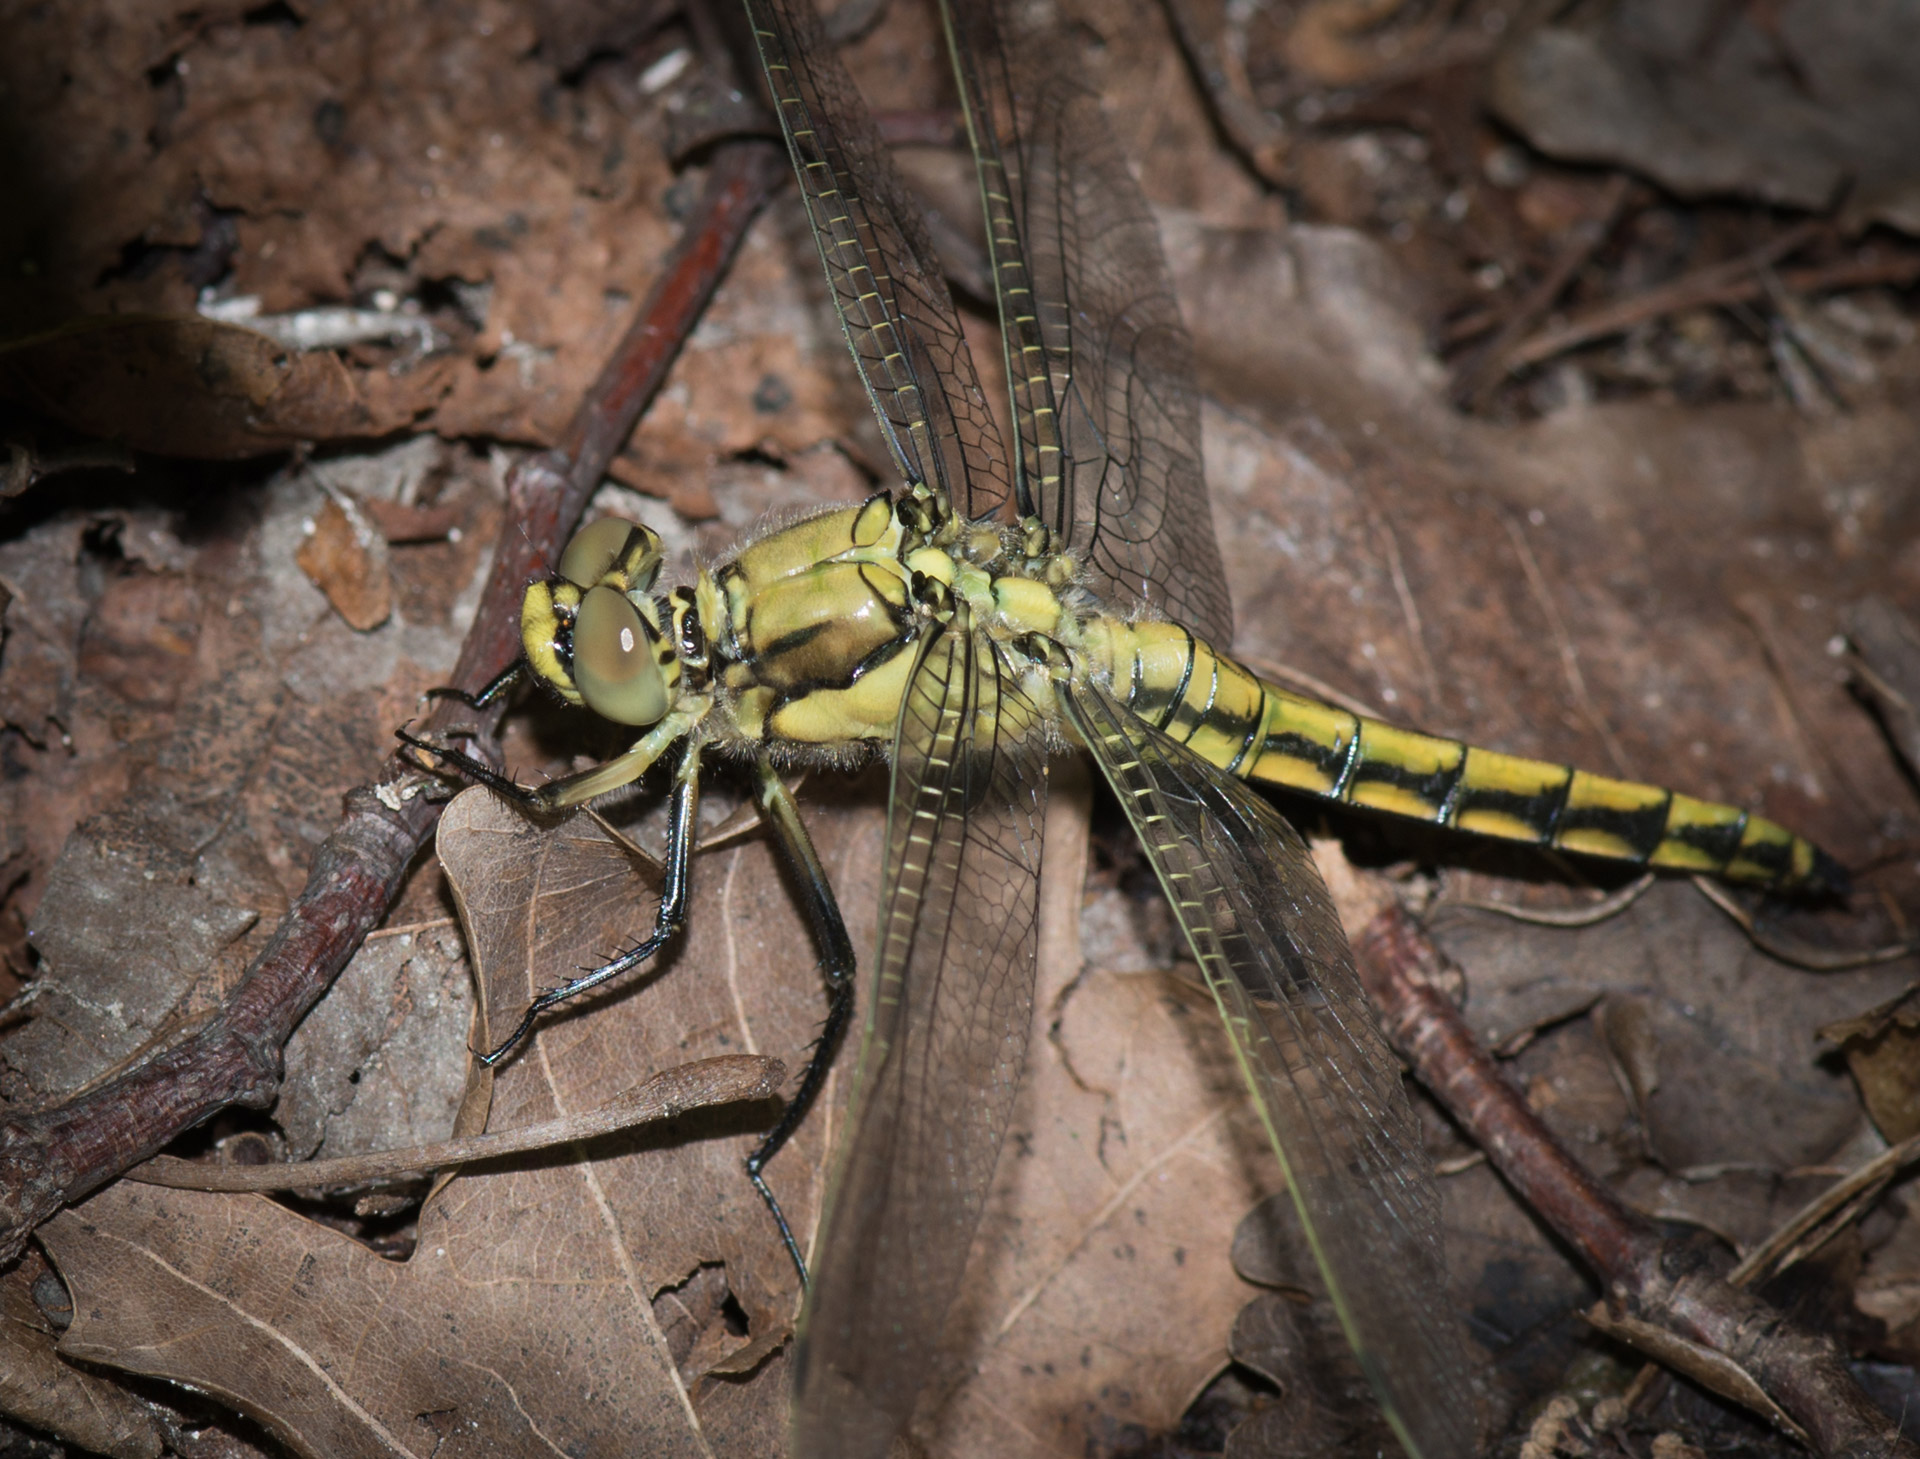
<point x="683" y="822"/>
<point x="836" y="966"/>
<point x="490" y="691"/>
<point x="475" y="769"/>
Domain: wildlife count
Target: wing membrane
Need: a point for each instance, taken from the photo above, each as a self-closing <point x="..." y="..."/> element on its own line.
<point x="1098" y="362"/>
<point x="943" y="1051"/>
<point x="884" y="276"/>
<point x="1270" y="944"/>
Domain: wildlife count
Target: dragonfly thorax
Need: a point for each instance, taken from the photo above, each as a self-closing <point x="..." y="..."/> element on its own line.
<point x="806" y="636"/>
<point x="812" y="628"/>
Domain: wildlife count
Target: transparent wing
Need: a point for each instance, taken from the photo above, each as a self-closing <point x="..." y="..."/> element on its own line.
<point x="884" y="276"/>
<point x="1270" y="944"/>
<point x="1098" y="362"/>
<point x="944" y="1047"/>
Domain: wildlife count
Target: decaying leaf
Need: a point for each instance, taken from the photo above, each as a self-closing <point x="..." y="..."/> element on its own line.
<point x="1882" y="1049"/>
<point x="38" y="1387"/>
<point x="340" y="1352"/>
<point x="346" y="557"/>
<point x="526" y="1315"/>
<point x="1790" y="105"/>
<point x="186" y="387"/>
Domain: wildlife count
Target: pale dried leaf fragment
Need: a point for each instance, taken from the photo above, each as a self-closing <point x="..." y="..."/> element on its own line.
<point x="1882" y="1049"/>
<point x="345" y="556"/>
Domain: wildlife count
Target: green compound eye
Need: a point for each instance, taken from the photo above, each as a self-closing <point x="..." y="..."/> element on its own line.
<point x="614" y="662"/>
<point x="612" y="548"/>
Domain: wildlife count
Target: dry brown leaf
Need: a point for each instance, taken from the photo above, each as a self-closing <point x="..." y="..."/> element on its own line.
<point x="527" y="1313"/>
<point x="548" y="1302"/>
<point x="346" y="557"/>
<point x="1791" y="105"/>
<point x="541" y="902"/>
<point x="38" y="1388"/>
<point x="501" y="1335"/>
<point x="186" y="387"/>
<point x="1882" y="1049"/>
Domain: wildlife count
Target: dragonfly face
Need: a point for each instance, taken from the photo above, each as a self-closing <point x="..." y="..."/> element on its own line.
<point x="594" y="632"/>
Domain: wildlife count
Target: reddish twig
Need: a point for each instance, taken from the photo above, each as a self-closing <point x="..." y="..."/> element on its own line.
<point x="1652" y="1284"/>
<point x="52" y="1156"/>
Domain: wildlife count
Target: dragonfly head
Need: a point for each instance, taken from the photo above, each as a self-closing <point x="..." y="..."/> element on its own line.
<point x="593" y="630"/>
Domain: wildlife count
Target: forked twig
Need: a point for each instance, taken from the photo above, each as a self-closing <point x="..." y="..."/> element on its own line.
<point x="51" y="1156"/>
<point x="1660" y="1294"/>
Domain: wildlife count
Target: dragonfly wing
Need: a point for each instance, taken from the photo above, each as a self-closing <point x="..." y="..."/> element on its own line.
<point x="944" y="1047"/>
<point x="1265" y="933"/>
<point x="885" y="278"/>
<point x="1099" y="365"/>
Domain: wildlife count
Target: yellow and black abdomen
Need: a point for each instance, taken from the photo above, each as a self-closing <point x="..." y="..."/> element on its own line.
<point x="1262" y="733"/>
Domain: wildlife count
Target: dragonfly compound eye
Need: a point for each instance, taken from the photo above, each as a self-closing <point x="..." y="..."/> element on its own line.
<point x="615" y="664"/>
<point x="612" y="550"/>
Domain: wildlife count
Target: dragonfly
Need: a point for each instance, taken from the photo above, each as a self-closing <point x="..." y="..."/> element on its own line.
<point x="1009" y="600"/>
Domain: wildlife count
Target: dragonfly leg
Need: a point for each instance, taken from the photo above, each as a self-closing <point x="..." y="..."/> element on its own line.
<point x="683" y="819"/>
<point x="836" y="966"/>
<point x="568" y="790"/>
<point x="490" y="691"/>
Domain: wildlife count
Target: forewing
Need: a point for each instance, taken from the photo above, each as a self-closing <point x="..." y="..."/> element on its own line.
<point x="1098" y="362"/>
<point x="881" y="269"/>
<point x="944" y="1047"/>
<point x="1264" y="931"/>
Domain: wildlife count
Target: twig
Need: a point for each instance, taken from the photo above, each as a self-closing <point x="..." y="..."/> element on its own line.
<point x="1611" y="905"/>
<point x="1475" y="385"/>
<point x="1218" y="64"/>
<point x="1792" y="951"/>
<point x="52" y="1156"/>
<point x="1721" y="283"/>
<point x="729" y="1079"/>
<point x="1823" y="1217"/>
<point x="1659" y="1293"/>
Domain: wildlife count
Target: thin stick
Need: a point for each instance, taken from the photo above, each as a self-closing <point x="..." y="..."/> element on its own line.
<point x="1792" y="951"/>
<point x="1818" y="1221"/>
<point x="51" y="1156"/>
<point x="729" y="1079"/>
<point x="1490" y="365"/>
<point x="1720" y="283"/>
<point x="1611" y="905"/>
<point x="1659" y="1294"/>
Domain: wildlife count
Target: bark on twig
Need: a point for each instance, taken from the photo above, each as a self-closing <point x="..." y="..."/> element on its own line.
<point x="52" y="1156"/>
<point x="1651" y="1283"/>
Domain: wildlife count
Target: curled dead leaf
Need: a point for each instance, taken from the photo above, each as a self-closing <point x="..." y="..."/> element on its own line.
<point x="185" y="387"/>
<point x="1882" y="1049"/>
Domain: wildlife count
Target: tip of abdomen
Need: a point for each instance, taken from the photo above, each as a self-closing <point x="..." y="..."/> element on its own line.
<point x="1825" y="878"/>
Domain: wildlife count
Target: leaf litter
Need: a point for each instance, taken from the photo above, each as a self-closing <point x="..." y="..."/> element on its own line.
<point x="1639" y="561"/>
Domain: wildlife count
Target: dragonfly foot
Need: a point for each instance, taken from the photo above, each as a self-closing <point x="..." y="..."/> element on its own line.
<point x="754" y="1166"/>
<point x="445" y="758"/>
